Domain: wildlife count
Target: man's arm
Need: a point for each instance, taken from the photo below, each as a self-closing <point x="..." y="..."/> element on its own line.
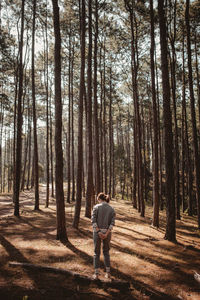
<point x="94" y="219"/>
<point x="104" y="236"/>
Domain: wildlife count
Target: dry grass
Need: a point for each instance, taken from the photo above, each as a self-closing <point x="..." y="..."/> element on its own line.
<point x="156" y="268"/>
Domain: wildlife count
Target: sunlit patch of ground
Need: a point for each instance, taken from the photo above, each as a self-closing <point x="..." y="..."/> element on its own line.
<point x="155" y="268"/>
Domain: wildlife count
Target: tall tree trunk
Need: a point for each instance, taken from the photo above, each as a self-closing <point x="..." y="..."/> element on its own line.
<point x="193" y="114"/>
<point x="155" y="220"/>
<point x="197" y="74"/>
<point x="72" y="125"/>
<point x="159" y="141"/>
<point x="135" y="170"/>
<point x="170" y="233"/>
<point x="1" y="152"/>
<point x="60" y="205"/>
<point x="17" y="166"/>
<point x="69" y="125"/>
<point x="105" y="120"/>
<point x="90" y="184"/>
<point x="25" y="161"/>
<point x="36" y="171"/>
<point x="51" y="150"/>
<point x="96" y="122"/>
<point x="134" y="69"/>
<point x="183" y="175"/>
<point x="110" y="136"/>
<point x="29" y="150"/>
<point x="46" y="72"/>
<point x="176" y="138"/>
<point x="80" y="124"/>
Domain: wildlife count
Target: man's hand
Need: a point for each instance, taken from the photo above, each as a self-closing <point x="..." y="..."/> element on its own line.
<point x="102" y="235"/>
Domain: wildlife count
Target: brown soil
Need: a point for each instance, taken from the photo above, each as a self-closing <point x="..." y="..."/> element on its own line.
<point x="155" y="268"/>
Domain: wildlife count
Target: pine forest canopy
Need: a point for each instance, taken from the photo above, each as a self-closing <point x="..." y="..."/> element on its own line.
<point x="102" y="96"/>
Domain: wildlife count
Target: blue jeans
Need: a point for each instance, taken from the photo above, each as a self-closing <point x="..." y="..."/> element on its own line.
<point x="97" y="251"/>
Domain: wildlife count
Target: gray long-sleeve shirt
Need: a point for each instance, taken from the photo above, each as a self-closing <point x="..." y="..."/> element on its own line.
<point x="103" y="216"/>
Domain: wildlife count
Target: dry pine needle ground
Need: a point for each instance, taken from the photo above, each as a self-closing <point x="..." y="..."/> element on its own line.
<point x="154" y="267"/>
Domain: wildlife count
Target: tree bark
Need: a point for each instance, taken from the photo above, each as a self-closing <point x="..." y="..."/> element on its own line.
<point x="155" y="220"/>
<point x="36" y="172"/>
<point x="134" y="70"/>
<point x="96" y="121"/>
<point x="80" y="123"/>
<point x="193" y="113"/>
<point x="60" y="205"/>
<point x="90" y="184"/>
<point x="17" y="166"/>
<point x="46" y="72"/>
<point x="170" y="233"/>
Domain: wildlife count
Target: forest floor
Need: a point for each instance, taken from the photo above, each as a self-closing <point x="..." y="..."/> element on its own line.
<point x="154" y="267"/>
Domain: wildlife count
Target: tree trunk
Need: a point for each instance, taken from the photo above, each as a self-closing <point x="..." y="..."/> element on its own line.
<point x="155" y="220"/>
<point x="90" y="184"/>
<point x="173" y="87"/>
<point x="110" y="136"/>
<point x="17" y="166"/>
<point x="47" y="108"/>
<point x="197" y="74"/>
<point x="72" y="125"/>
<point x="69" y="125"/>
<point x="60" y="205"/>
<point x="96" y="122"/>
<point x="134" y="69"/>
<point x="170" y="233"/>
<point x="36" y="172"/>
<point x="80" y="123"/>
<point x="193" y="114"/>
<point x="105" y="121"/>
<point x="51" y="151"/>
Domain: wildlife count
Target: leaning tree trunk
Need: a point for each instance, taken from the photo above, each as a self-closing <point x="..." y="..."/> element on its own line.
<point x="170" y="233"/>
<point x="60" y="205"/>
<point x="17" y="166"/>
<point x="36" y="171"/>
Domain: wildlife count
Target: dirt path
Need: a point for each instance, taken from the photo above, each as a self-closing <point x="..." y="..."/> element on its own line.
<point x="155" y="268"/>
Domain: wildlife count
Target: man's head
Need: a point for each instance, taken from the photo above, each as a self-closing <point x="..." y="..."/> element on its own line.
<point x="103" y="197"/>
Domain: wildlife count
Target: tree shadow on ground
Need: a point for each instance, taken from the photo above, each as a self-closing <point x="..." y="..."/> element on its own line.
<point x="138" y="285"/>
<point x="178" y="274"/>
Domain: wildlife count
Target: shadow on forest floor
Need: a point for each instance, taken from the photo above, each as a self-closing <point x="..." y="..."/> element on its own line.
<point x="155" y="268"/>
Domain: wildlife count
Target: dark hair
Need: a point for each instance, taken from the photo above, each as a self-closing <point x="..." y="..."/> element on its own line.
<point x="103" y="197"/>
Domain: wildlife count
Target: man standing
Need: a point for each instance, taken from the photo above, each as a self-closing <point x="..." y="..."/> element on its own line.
<point x="103" y="220"/>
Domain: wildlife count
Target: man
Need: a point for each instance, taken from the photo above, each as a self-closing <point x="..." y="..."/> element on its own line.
<point x="103" y="220"/>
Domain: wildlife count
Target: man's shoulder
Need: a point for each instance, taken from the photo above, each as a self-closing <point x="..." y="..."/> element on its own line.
<point x="110" y="207"/>
<point x="97" y="205"/>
